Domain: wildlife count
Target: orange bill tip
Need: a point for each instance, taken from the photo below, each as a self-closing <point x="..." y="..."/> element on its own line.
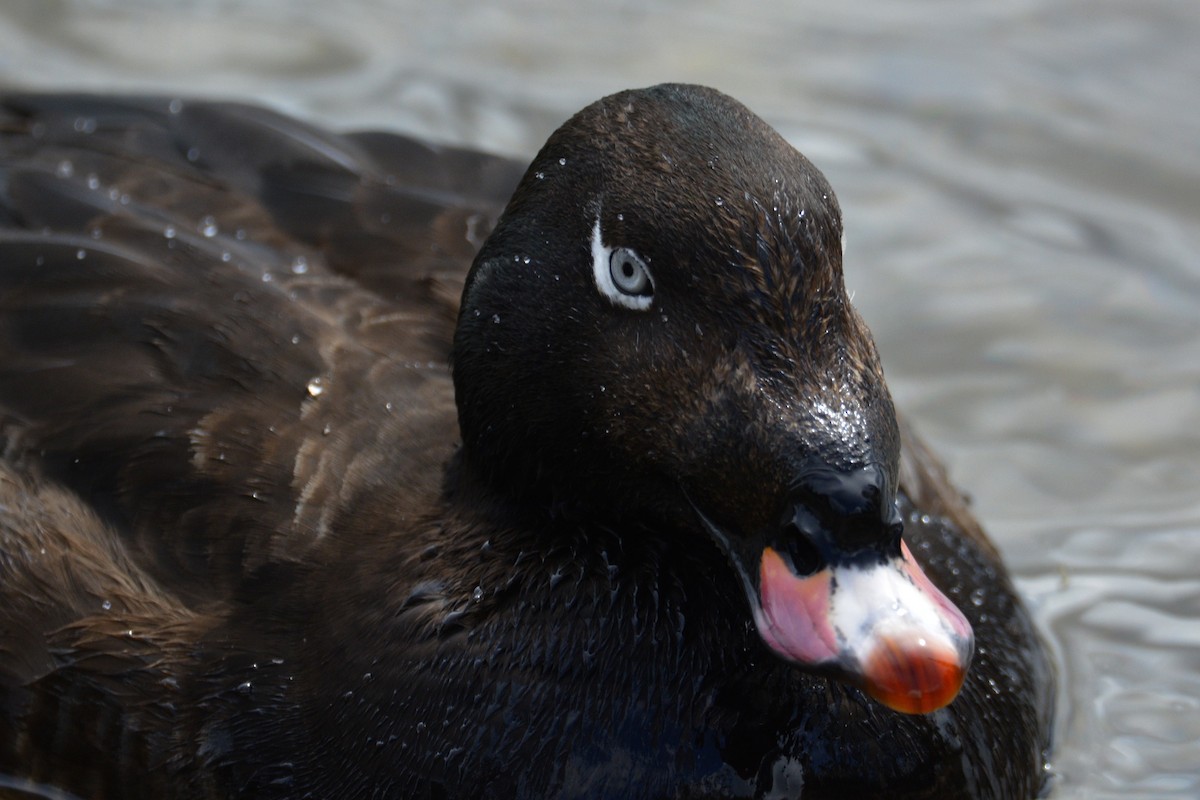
<point x="912" y="675"/>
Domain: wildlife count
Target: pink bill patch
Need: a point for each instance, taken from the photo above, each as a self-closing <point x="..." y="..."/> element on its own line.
<point x="794" y="615"/>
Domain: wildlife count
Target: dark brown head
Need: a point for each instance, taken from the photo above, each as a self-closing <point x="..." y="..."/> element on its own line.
<point x="658" y="330"/>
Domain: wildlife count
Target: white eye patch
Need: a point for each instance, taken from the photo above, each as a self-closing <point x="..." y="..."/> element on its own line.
<point x="621" y="274"/>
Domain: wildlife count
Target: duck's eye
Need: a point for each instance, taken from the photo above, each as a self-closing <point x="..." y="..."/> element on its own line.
<point x="629" y="273"/>
<point x="621" y="274"/>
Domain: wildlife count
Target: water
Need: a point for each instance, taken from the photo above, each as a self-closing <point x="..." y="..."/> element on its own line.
<point x="1021" y="183"/>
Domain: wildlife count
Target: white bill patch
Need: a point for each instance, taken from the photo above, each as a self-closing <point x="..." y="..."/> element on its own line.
<point x="882" y="600"/>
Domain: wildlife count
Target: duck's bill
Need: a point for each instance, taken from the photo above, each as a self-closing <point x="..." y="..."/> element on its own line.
<point x="883" y="627"/>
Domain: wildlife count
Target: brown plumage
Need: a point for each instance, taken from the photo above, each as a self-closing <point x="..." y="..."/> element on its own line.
<point x="249" y="547"/>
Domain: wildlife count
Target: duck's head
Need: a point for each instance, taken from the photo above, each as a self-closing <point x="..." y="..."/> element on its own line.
<point x="658" y="330"/>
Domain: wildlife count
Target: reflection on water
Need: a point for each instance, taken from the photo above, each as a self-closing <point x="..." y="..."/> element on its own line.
<point x="1020" y="183"/>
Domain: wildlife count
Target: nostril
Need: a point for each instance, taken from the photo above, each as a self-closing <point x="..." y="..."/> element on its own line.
<point x="798" y="543"/>
<point x="802" y="553"/>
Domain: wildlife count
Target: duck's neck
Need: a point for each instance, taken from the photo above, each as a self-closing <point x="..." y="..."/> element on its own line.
<point x="523" y="492"/>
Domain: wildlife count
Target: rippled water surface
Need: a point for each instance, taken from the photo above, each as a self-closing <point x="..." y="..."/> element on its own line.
<point x="1021" y="184"/>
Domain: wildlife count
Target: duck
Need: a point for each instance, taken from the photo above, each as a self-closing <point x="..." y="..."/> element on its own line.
<point x="343" y="465"/>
